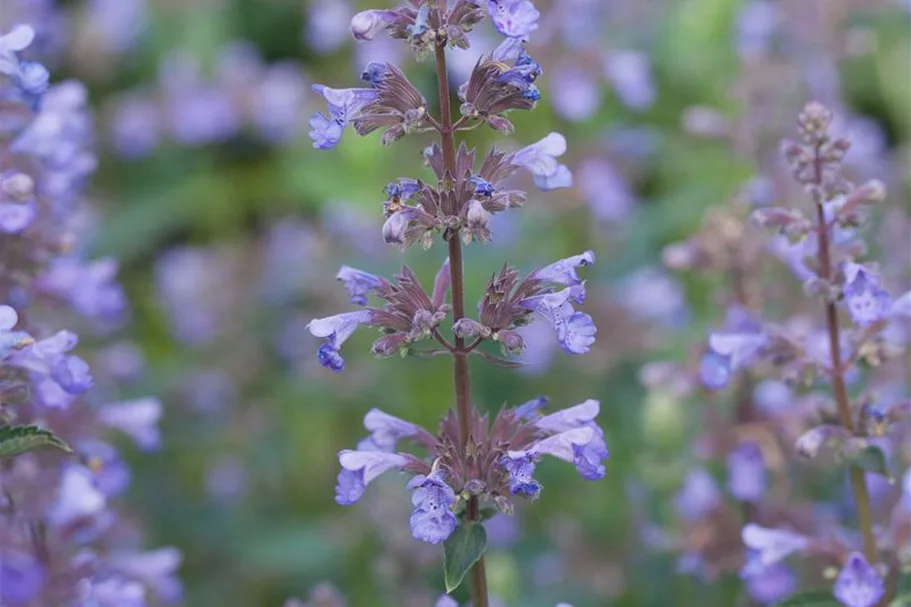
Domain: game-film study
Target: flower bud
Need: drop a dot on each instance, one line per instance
(477, 216)
(811, 442)
(475, 486)
(367, 24)
(388, 344)
(395, 227)
(500, 124)
(512, 341)
(504, 505)
(466, 327)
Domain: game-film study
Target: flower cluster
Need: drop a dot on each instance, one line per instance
(63, 542)
(471, 461)
(762, 365)
(499, 463)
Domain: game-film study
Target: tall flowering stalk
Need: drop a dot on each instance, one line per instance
(474, 466)
(61, 539)
(824, 250)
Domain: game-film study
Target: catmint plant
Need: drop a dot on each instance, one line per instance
(62, 542)
(474, 466)
(834, 358)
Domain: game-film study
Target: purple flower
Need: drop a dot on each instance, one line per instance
(89, 287)
(326, 25)
(21, 577)
(906, 490)
(698, 496)
(111, 592)
(575, 330)
(772, 545)
(156, 569)
(514, 18)
(770, 585)
(747, 472)
(135, 126)
(563, 273)
(343, 106)
(606, 191)
(358, 283)
(432, 519)
(589, 455)
(374, 72)
(858, 584)
(17, 202)
(385, 431)
(367, 24)
(540, 159)
(11, 340)
(521, 470)
(419, 26)
(32, 78)
(12, 42)
(630, 74)
(446, 601)
(579, 446)
(359, 468)
(137, 418)
(276, 105)
(72, 374)
(901, 306)
(866, 301)
(78, 497)
(530, 409)
(729, 352)
(336, 329)
(112, 475)
(575, 93)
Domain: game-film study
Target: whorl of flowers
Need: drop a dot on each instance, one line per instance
(471, 462)
(61, 539)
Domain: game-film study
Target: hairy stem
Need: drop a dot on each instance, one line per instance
(461, 376)
(858, 480)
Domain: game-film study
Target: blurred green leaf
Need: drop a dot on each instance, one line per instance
(873, 459)
(462, 550)
(15, 440)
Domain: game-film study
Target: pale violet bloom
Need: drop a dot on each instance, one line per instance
(385, 431)
(540, 159)
(111, 591)
(326, 25)
(446, 601)
(432, 519)
(530, 409)
(859, 584)
(336, 330)
(563, 273)
(906, 489)
(630, 75)
(359, 468)
(772, 545)
(513, 18)
(137, 418)
(728, 353)
(698, 496)
(574, 91)
(901, 306)
(156, 569)
(78, 497)
(14, 41)
(343, 106)
(746, 472)
(575, 330)
(583, 415)
(11, 340)
(608, 194)
(367, 24)
(358, 283)
(578, 446)
(865, 299)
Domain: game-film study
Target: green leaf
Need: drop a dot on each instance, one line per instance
(462, 550)
(812, 598)
(19, 439)
(872, 459)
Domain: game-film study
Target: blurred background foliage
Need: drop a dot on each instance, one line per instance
(244, 483)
